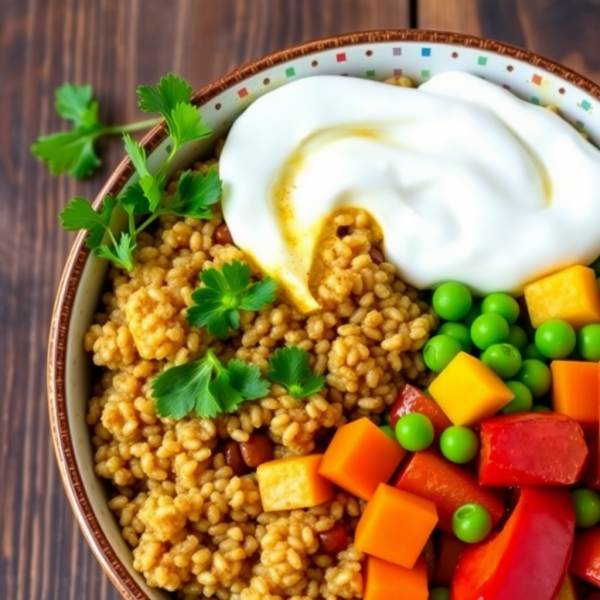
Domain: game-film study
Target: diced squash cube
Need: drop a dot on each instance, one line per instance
(468, 390)
(395, 526)
(294, 482)
(570, 295)
(386, 581)
(575, 391)
(360, 457)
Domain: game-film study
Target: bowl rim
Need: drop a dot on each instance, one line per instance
(78, 497)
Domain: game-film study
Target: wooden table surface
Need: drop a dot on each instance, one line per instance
(115, 45)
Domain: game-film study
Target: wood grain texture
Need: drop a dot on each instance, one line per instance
(114, 45)
(563, 30)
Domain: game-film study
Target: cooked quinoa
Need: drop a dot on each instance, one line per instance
(184, 504)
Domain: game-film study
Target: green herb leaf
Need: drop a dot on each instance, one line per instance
(217, 304)
(164, 98)
(79, 214)
(289, 367)
(186, 125)
(195, 194)
(121, 253)
(72, 102)
(134, 201)
(206, 387)
(69, 152)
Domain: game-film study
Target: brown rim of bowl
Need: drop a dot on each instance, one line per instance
(71, 276)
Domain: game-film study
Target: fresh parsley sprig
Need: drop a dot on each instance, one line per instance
(224, 293)
(289, 367)
(145, 200)
(73, 151)
(206, 387)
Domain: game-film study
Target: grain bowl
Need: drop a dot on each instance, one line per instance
(186, 483)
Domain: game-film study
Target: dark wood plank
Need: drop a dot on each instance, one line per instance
(563, 31)
(114, 45)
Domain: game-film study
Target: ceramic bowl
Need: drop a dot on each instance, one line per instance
(374, 54)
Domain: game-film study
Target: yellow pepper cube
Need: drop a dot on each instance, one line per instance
(294, 482)
(469, 391)
(570, 295)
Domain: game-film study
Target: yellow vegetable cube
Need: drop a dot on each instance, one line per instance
(469, 391)
(567, 591)
(294, 482)
(570, 295)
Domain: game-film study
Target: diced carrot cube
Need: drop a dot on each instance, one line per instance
(449, 551)
(360, 457)
(447, 485)
(570, 295)
(395, 526)
(575, 391)
(294, 482)
(468, 390)
(386, 581)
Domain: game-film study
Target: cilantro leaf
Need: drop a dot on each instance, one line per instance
(186, 124)
(121, 253)
(133, 199)
(163, 99)
(195, 193)
(79, 214)
(151, 185)
(259, 295)
(183, 388)
(206, 387)
(137, 154)
(69, 152)
(289, 367)
(72, 102)
(216, 305)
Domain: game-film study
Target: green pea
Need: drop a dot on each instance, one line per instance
(532, 352)
(459, 444)
(460, 332)
(388, 431)
(588, 342)
(489, 329)
(501, 304)
(452, 301)
(536, 376)
(587, 507)
(439, 351)
(555, 339)
(472, 523)
(540, 408)
(503, 359)
(472, 314)
(415, 432)
(439, 593)
(517, 337)
(523, 398)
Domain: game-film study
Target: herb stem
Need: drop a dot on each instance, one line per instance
(118, 129)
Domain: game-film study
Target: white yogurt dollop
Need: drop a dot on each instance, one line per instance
(467, 182)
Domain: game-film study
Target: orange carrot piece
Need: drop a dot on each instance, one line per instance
(386, 581)
(412, 400)
(360, 457)
(395, 526)
(575, 391)
(447, 485)
(449, 550)
(294, 482)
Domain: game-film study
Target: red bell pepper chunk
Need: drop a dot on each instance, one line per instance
(541, 448)
(585, 562)
(412, 400)
(527, 560)
(448, 486)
